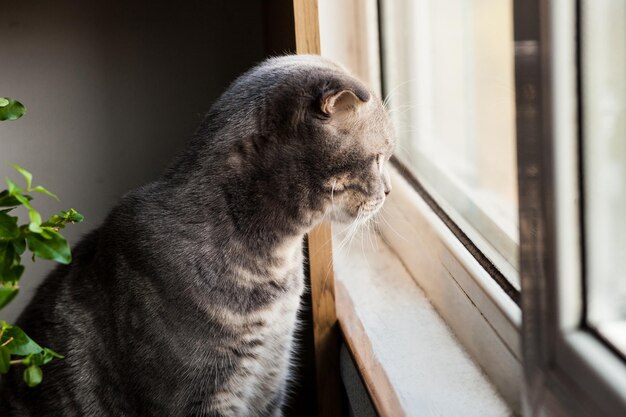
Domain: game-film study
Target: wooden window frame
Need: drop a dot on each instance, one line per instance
(320, 256)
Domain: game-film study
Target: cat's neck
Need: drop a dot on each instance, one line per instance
(268, 224)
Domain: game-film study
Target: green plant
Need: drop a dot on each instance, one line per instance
(11, 109)
(43, 240)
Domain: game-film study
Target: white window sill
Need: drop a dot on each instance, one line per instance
(409, 359)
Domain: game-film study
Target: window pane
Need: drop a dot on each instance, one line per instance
(449, 81)
(604, 161)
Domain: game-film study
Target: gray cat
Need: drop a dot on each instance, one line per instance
(184, 302)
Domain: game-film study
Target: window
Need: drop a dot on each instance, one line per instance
(510, 110)
(569, 106)
(448, 82)
(511, 120)
(448, 77)
(603, 77)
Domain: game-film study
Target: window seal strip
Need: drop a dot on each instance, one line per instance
(480, 257)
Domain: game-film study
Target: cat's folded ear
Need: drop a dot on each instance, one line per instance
(345, 96)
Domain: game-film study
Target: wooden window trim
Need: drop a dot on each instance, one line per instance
(322, 280)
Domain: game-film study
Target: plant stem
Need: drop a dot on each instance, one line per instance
(9, 340)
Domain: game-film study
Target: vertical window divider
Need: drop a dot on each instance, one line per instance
(567, 370)
(325, 326)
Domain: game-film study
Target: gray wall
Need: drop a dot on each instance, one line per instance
(113, 90)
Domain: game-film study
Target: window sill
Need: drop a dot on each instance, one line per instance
(485, 320)
(410, 361)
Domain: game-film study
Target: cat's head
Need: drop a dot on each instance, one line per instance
(316, 135)
(355, 140)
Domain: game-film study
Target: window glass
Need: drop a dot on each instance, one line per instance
(449, 85)
(604, 164)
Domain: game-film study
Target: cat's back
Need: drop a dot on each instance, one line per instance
(78, 311)
(62, 315)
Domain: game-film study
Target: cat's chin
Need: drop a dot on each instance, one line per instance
(343, 217)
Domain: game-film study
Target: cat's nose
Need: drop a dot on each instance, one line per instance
(386, 183)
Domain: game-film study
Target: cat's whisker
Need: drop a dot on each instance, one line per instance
(382, 217)
(347, 240)
(336, 250)
(354, 231)
(372, 225)
(395, 89)
(350, 229)
(402, 109)
(402, 148)
(363, 253)
(368, 230)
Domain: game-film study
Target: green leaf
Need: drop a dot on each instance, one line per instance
(35, 221)
(33, 359)
(56, 220)
(54, 248)
(42, 190)
(33, 375)
(19, 245)
(49, 354)
(28, 177)
(11, 110)
(5, 359)
(10, 275)
(21, 345)
(60, 219)
(7, 294)
(24, 200)
(8, 200)
(74, 216)
(10, 268)
(8, 227)
(28, 359)
(13, 189)
(7, 255)
(41, 358)
(16, 273)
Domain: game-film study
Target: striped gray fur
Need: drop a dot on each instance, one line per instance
(184, 301)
